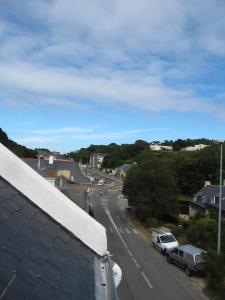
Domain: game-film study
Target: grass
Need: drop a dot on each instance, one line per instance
(137, 224)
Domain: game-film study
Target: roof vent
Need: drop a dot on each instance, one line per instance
(51, 159)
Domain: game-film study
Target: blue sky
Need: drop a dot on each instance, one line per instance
(75, 73)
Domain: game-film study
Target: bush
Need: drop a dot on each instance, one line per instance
(152, 222)
(202, 233)
(172, 227)
(216, 273)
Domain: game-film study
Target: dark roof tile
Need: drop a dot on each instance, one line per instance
(4, 213)
(50, 262)
(20, 289)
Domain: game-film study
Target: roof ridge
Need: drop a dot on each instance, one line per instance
(52, 201)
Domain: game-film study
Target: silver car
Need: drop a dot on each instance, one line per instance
(188, 257)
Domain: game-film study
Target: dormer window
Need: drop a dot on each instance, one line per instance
(217, 199)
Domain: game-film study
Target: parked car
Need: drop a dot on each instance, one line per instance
(188, 257)
(163, 239)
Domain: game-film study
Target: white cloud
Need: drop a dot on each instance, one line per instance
(117, 53)
(37, 140)
(117, 134)
(142, 90)
(62, 130)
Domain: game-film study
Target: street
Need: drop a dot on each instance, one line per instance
(146, 273)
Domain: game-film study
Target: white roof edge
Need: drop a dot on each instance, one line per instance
(52, 201)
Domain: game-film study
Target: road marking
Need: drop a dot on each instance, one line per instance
(135, 231)
(117, 231)
(146, 280)
(121, 230)
(127, 230)
(128, 250)
(110, 228)
(136, 263)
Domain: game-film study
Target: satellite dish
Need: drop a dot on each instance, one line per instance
(117, 274)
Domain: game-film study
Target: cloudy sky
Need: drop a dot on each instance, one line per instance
(81, 72)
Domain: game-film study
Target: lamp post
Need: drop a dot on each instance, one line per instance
(220, 199)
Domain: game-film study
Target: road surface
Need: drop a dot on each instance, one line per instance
(146, 273)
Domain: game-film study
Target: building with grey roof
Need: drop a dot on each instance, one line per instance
(122, 171)
(96, 160)
(54, 168)
(50, 248)
(207, 199)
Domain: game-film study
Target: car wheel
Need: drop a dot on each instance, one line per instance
(163, 251)
(188, 271)
(169, 259)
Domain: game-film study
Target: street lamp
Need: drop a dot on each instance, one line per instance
(220, 199)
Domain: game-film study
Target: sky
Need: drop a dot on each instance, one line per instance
(81, 72)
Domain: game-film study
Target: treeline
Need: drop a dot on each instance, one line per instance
(155, 182)
(128, 153)
(19, 150)
(180, 144)
(116, 154)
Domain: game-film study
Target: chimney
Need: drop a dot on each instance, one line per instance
(39, 164)
(60, 183)
(207, 183)
(51, 159)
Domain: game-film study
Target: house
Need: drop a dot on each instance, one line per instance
(96, 160)
(50, 248)
(206, 200)
(155, 147)
(45, 154)
(66, 176)
(158, 147)
(51, 169)
(195, 147)
(122, 171)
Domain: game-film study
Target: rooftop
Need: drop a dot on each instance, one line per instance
(50, 248)
(43, 167)
(39, 258)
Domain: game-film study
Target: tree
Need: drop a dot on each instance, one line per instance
(151, 189)
(203, 233)
(19, 150)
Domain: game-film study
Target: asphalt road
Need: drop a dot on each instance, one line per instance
(146, 273)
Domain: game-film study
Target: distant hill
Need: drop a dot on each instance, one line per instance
(129, 153)
(19, 150)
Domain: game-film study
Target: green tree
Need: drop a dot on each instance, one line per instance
(151, 189)
(19, 150)
(203, 233)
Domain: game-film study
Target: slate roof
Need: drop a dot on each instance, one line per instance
(40, 259)
(77, 196)
(125, 167)
(206, 196)
(57, 165)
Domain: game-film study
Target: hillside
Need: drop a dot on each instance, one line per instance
(19, 150)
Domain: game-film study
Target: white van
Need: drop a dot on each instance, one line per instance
(163, 239)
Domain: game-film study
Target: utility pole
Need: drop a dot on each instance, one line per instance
(220, 199)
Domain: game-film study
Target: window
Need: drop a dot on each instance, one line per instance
(175, 250)
(181, 253)
(167, 238)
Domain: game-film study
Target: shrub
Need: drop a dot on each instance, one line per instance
(152, 222)
(216, 273)
(202, 233)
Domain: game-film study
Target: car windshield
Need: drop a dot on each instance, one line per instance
(167, 238)
(199, 259)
